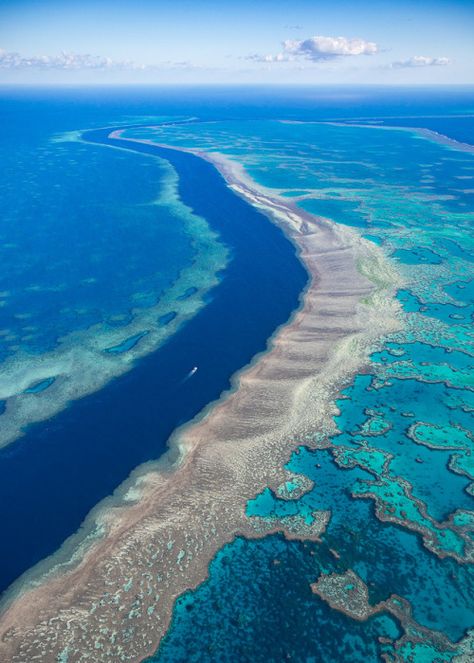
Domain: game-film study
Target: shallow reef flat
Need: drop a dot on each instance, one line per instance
(112, 597)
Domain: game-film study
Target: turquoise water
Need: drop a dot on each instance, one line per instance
(397, 478)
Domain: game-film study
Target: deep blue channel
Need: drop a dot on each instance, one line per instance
(54, 475)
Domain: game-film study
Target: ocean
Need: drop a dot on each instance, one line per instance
(96, 243)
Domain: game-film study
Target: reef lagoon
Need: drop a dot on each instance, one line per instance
(360, 547)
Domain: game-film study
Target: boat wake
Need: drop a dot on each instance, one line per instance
(189, 375)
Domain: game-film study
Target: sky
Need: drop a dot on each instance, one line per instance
(237, 42)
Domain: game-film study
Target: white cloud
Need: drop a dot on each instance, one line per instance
(279, 57)
(318, 49)
(64, 61)
(326, 48)
(420, 61)
(79, 61)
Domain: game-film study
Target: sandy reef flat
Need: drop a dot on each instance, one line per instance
(114, 599)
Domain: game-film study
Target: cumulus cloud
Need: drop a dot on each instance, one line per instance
(319, 49)
(327, 48)
(420, 61)
(64, 61)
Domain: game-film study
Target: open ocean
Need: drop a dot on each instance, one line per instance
(123, 271)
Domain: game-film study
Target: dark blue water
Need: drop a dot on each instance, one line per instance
(53, 476)
(81, 107)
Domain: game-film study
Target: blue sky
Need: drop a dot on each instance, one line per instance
(263, 41)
